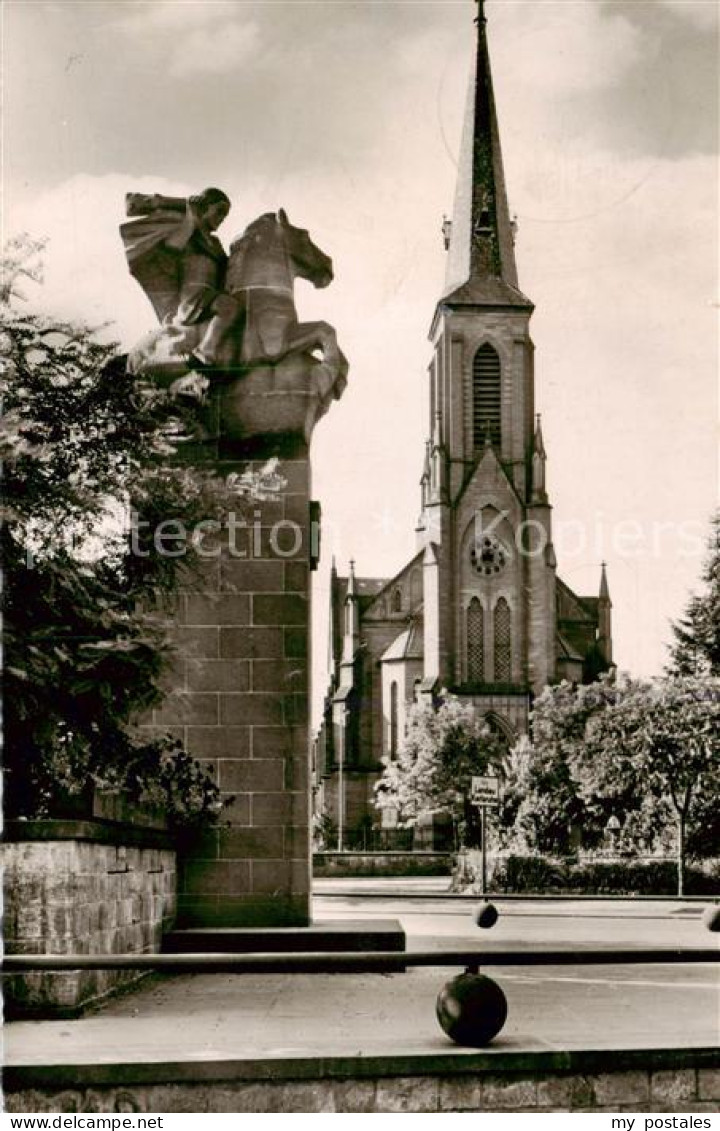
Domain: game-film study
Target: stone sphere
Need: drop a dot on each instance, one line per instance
(711, 917)
(486, 915)
(471, 1009)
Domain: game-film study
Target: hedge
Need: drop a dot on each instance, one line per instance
(541, 874)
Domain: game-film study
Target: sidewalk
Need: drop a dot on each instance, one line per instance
(195, 1018)
(439, 887)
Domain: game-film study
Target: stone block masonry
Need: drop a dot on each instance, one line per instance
(238, 698)
(637, 1080)
(73, 892)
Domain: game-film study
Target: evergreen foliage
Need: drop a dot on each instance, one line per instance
(695, 650)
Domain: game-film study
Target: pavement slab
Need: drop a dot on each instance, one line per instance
(210, 1017)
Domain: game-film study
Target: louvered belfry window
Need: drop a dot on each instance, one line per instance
(486, 397)
(475, 644)
(503, 643)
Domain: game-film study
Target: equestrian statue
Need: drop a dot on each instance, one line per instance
(228, 324)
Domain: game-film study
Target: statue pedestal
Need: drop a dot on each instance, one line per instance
(240, 692)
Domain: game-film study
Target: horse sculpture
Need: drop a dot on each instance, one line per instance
(263, 266)
(262, 343)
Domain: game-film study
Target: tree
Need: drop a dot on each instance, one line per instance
(441, 750)
(658, 738)
(22, 259)
(548, 802)
(567, 783)
(86, 635)
(696, 647)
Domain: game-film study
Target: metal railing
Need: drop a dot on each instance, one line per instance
(312, 962)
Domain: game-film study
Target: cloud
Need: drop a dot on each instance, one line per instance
(634, 79)
(557, 48)
(195, 38)
(701, 13)
(169, 15)
(86, 277)
(214, 50)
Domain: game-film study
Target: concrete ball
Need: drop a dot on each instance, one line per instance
(486, 915)
(471, 1009)
(711, 917)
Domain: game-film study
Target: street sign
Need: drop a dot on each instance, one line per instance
(484, 791)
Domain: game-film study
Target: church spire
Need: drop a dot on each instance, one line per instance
(604, 587)
(481, 255)
(605, 644)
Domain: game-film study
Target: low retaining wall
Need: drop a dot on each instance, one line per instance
(382, 864)
(655, 1080)
(82, 887)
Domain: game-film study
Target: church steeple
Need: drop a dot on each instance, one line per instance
(605, 618)
(481, 256)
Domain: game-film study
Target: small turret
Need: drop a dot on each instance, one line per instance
(538, 492)
(438, 463)
(351, 636)
(605, 618)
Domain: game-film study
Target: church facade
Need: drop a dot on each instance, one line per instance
(479, 611)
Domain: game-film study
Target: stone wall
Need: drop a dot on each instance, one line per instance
(655, 1080)
(82, 887)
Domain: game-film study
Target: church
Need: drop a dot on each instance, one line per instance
(480, 610)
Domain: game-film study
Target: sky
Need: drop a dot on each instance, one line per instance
(348, 115)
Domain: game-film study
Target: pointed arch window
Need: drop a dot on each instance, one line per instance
(475, 642)
(397, 601)
(503, 643)
(393, 719)
(486, 397)
(500, 729)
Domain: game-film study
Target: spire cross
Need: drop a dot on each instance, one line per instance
(481, 17)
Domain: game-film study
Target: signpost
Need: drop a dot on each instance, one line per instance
(484, 791)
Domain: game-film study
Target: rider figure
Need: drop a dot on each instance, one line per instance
(172, 250)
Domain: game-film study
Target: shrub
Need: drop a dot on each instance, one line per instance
(529, 873)
(550, 875)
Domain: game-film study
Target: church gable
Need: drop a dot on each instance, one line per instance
(398, 597)
(579, 654)
(488, 484)
(571, 608)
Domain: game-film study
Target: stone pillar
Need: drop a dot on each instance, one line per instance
(240, 689)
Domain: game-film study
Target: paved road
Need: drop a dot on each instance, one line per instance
(216, 1016)
(431, 920)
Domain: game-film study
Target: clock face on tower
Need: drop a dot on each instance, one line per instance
(488, 556)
